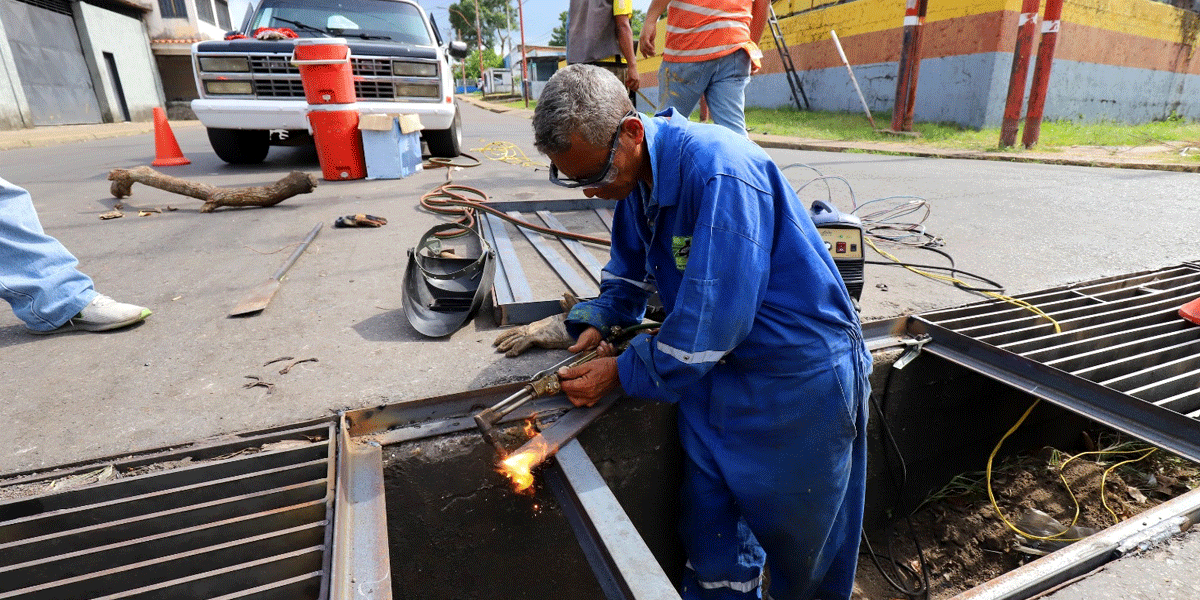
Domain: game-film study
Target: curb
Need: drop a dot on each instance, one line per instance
(39, 137)
(791, 143)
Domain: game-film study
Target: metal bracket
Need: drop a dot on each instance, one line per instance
(915, 344)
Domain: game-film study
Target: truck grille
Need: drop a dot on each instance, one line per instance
(275, 77)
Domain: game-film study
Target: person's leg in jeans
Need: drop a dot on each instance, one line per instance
(726, 91)
(39, 278)
(680, 85)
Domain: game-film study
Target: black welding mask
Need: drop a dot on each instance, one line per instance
(446, 280)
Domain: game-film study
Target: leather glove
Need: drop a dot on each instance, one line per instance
(550, 332)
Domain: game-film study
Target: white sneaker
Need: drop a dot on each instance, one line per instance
(102, 314)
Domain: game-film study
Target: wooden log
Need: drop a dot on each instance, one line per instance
(214, 197)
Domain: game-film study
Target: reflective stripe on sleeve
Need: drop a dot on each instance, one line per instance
(691, 358)
(607, 276)
(744, 587)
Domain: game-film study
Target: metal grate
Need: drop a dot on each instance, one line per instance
(242, 519)
(1122, 342)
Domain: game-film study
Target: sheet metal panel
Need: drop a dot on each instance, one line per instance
(51, 65)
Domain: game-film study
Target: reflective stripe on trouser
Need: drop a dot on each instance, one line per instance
(722, 80)
(776, 470)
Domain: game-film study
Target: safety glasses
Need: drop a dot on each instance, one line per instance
(601, 178)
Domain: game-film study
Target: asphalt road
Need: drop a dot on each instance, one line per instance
(179, 377)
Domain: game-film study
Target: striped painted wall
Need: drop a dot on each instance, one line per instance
(1123, 60)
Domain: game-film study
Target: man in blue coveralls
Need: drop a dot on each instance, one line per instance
(761, 347)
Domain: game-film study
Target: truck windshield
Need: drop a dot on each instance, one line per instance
(364, 19)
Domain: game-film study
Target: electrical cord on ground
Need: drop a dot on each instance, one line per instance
(959, 283)
(920, 589)
(1058, 536)
(510, 153)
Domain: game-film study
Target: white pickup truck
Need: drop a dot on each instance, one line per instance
(251, 96)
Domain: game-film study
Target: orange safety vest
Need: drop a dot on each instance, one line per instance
(699, 30)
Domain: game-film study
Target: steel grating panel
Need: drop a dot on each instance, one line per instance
(1123, 356)
(246, 518)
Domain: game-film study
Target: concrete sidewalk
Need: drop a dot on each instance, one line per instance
(51, 135)
(1160, 157)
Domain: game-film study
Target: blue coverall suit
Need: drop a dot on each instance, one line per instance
(762, 350)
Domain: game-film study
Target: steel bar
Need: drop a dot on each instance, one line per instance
(1122, 299)
(581, 254)
(301, 586)
(1121, 333)
(1164, 428)
(300, 498)
(229, 580)
(1085, 555)
(606, 217)
(177, 566)
(1092, 329)
(623, 564)
(562, 431)
(518, 287)
(173, 478)
(199, 451)
(1184, 361)
(149, 548)
(568, 275)
(1115, 360)
(174, 498)
(360, 546)
(1094, 290)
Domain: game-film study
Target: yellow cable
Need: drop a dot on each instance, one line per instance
(955, 280)
(510, 153)
(1061, 469)
(1103, 498)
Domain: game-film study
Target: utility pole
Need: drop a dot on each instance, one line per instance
(524, 74)
(1020, 68)
(479, 43)
(1041, 73)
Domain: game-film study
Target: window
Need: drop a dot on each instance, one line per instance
(173, 9)
(204, 11)
(223, 15)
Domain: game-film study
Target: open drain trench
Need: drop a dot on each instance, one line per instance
(302, 511)
(1124, 357)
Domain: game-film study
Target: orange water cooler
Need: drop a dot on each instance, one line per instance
(328, 81)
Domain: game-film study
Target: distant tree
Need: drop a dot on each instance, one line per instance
(558, 37)
(490, 60)
(492, 19)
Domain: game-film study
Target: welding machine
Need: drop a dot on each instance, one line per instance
(843, 237)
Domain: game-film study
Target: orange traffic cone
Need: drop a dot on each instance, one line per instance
(166, 149)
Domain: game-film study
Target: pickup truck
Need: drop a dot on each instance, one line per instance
(251, 96)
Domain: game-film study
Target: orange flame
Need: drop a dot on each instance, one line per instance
(518, 466)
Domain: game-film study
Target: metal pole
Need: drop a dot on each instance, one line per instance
(524, 73)
(1041, 73)
(914, 64)
(842, 54)
(900, 105)
(1020, 68)
(479, 43)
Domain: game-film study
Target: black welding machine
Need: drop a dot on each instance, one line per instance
(843, 237)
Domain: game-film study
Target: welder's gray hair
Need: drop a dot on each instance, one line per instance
(582, 98)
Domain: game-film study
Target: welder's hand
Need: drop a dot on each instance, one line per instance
(587, 383)
(550, 332)
(589, 339)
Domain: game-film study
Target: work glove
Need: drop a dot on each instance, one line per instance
(550, 332)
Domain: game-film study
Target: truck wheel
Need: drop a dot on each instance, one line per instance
(446, 143)
(240, 146)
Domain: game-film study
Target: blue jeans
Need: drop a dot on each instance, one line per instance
(722, 80)
(37, 274)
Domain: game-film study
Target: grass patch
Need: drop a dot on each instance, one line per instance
(853, 127)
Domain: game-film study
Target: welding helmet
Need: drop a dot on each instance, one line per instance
(444, 283)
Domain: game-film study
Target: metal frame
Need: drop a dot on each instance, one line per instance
(512, 299)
